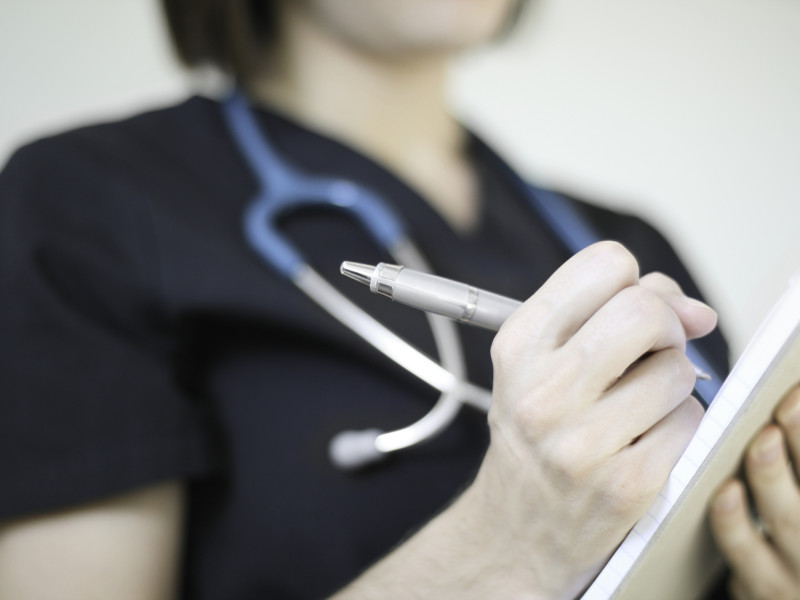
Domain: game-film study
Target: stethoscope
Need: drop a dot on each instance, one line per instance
(284, 188)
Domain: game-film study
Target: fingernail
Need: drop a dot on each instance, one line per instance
(694, 302)
(768, 447)
(697, 305)
(727, 499)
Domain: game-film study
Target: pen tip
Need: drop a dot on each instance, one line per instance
(702, 375)
(357, 271)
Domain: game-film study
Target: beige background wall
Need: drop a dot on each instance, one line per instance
(687, 112)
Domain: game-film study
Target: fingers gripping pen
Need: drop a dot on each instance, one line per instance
(458, 301)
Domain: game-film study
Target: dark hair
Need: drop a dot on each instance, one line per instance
(228, 34)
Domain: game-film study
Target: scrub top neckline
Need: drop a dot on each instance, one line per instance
(279, 125)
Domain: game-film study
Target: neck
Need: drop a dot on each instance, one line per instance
(390, 108)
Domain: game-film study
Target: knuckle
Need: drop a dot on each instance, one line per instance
(536, 415)
(682, 373)
(653, 314)
(510, 346)
(786, 522)
(660, 282)
(643, 303)
(633, 490)
(618, 258)
(540, 410)
(571, 458)
(497, 349)
(504, 348)
(545, 403)
(696, 411)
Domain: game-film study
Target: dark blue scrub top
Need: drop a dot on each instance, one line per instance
(141, 340)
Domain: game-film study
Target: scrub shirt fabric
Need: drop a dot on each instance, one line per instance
(142, 340)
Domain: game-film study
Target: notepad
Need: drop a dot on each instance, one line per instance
(669, 554)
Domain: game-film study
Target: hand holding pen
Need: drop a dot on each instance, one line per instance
(591, 409)
(455, 300)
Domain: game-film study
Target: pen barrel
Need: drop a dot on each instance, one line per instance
(452, 299)
(492, 310)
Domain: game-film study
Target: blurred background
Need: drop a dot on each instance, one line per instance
(685, 112)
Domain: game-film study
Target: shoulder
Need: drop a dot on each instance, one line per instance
(127, 131)
(106, 177)
(78, 203)
(111, 149)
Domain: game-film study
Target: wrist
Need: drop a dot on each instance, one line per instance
(462, 554)
(521, 547)
(479, 554)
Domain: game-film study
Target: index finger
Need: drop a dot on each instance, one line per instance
(575, 292)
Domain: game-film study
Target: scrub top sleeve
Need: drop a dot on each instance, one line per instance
(89, 405)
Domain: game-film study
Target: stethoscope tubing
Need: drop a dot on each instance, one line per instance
(284, 188)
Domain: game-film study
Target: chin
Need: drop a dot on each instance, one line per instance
(398, 27)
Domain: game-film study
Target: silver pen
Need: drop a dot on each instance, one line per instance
(453, 299)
